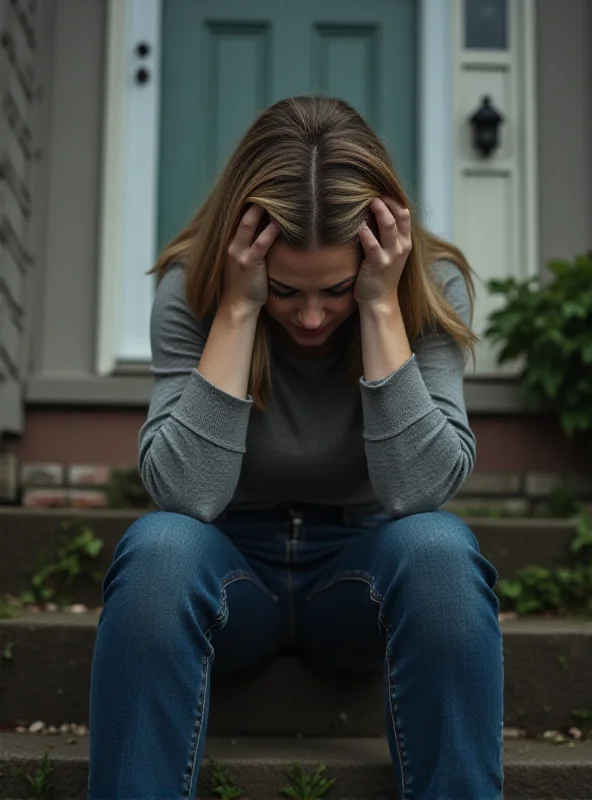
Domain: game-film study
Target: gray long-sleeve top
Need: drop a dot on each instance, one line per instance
(400, 444)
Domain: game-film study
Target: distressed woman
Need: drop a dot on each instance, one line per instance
(306, 426)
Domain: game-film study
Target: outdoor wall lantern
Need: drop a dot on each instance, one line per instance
(485, 122)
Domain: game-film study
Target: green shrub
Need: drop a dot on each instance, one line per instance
(563, 590)
(549, 328)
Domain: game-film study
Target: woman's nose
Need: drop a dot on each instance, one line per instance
(312, 314)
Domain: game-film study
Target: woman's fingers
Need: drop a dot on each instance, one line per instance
(387, 224)
(370, 244)
(243, 238)
(263, 242)
(242, 247)
(402, 216)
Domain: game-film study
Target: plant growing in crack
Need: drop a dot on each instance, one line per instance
(7, 653)
(40, 781)
(11, 607)
(221, 783)
(72, 559)
(305, 787)
(564, 590)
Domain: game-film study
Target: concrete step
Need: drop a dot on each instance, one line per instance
(532, 770)
(509, 544)
(546, 666)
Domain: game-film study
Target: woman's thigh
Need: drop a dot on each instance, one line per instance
(423, 567)
(168, 566)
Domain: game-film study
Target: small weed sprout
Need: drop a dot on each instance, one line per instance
(40, 781)
(304, 787)
(221, 783)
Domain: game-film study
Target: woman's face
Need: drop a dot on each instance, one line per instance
(311, 292)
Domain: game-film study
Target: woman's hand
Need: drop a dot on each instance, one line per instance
(245, 276)
(380, 272)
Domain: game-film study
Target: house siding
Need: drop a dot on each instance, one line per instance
(18, 99)
(564, 68)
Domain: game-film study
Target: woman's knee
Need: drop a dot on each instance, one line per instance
(436, 547)
(159, 550)
(432, 534)
(164, 564)
(438, 576)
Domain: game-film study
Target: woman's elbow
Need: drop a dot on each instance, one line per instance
(167, 496)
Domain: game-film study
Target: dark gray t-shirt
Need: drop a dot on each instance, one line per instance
(401, 444)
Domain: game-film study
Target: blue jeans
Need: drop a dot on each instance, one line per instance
(413, 597)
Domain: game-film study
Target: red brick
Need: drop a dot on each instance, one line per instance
(88, 475)
(87, 498)
(45, 498)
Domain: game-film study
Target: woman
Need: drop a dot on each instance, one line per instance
(306, 425)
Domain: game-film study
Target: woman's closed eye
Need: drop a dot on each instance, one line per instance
(287, 295)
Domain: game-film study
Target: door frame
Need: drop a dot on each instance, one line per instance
(130, 167)
(507, 74)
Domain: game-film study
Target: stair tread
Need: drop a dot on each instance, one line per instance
(528, 625)
(363, 750)
(362, 766)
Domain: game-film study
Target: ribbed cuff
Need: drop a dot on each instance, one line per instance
(214, 414)
(393, 404)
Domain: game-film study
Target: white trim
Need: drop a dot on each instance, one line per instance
(516, 160)
(530, 124)
(130, 184)
(111, 236)
(141, 181)
(435, 118)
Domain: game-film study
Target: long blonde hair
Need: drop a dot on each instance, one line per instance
(315, 166)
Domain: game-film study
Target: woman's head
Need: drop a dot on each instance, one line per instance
(313, 165)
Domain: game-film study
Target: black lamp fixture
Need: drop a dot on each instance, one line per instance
(485, 122)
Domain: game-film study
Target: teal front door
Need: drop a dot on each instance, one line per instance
(224, 61)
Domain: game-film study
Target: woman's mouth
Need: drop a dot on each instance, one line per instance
(311, 334)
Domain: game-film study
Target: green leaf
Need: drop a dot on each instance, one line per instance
(511, 589)
(558, 267)
(551, 381)
(586, 352)
(572, 308)
(583, 537)
(304, 787)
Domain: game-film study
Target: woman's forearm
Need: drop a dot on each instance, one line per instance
(227, 354)
(385, 346)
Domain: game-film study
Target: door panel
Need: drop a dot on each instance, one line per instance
(225, 61)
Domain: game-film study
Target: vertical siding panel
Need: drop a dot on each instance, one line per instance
(17, 81)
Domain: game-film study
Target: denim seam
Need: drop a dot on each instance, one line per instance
(219, 621)
(197, 726)
(376, 597)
